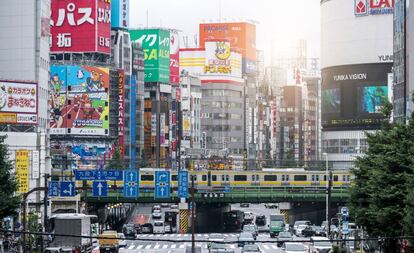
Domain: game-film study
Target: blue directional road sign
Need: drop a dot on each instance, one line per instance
(84, 175)
(130, 184)
(100, 188)
(162, 184)
(113, 175)
(116, 175)
(183, 184)
(53, 189)
(67, 188)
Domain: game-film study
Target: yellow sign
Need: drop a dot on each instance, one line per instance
(8, 118)
(22, 170)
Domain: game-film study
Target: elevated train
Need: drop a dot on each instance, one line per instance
(229, 178)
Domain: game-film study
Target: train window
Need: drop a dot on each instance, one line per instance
(193, 176)
(343, 178)
(299, 178)
(324, 178)
(227, 178)
(240, 178)
(313, 178)
(204, 178)
(317, 178)
(270, 178)
(214, 178)
(283, 178)
(287, 177)
(147, 177)
(335, 178)
(174, 178)
(348, 178)
(222, 178)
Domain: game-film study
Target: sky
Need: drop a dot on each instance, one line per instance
(279, 22)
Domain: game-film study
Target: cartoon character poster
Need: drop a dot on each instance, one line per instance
(79, 102)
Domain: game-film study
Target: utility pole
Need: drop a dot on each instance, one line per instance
(192, 216)
(45, 192)
(158, 124)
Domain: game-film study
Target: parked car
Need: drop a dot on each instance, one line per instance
(245, 238)
(283, 237)
(122, 243)
(308, 231)
(219, 248)
(147, 228)
(244, 204)
(321, 245)
(271, 205)
(294, 247)
(251, 248)
(251, 229)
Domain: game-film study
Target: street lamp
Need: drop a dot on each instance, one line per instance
(327, 193)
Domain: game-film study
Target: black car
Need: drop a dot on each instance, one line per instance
(129, 230)
(147, 228)
(308, 231)
(260, 220)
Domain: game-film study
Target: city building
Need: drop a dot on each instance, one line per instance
(356, 61)
(403, 63)
(24, 76)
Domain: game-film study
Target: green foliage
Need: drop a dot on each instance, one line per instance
(9, 202)
(383, 184)
(117, 162)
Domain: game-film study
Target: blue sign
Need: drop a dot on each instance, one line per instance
(67, 188)
(100, 188)
(53, 189)
(131, 184)
(183, 184)
(99, 175)
(120, 14)
(226, 188)
(162, 184)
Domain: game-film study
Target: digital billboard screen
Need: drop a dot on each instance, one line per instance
(353, 96)
(79, 100)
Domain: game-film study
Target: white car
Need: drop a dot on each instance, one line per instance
(159, 227)
(156, 214)
(321, 244)
(299, 230)
(122, 243)
(248, 217)
(294, 247)
(174, 207)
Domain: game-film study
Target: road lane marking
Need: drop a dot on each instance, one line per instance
(232, 246)
(131, 247)
(165, 235)
(274, 246)
(140, 246)
(165, 246)
(148, 246)
(157, 246)
(179, 235)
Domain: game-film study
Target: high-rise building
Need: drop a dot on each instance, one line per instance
(403, 63)
(356, 60)
(24, 76)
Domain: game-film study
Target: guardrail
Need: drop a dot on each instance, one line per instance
(232, 195)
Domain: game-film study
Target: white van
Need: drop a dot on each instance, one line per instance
(159, 227)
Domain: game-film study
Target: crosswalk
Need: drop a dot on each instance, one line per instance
(165, 246)
(182, 236)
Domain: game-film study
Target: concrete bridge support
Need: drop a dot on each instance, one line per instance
(315, 212)
(209, 217)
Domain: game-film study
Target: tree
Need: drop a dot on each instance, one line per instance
(117, 162)
(9, 201)
(383, 179)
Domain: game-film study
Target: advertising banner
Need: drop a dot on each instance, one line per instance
(121, 110)
(162, 129)
(241, 35)
(18, 103)
(174, 58)
(156, 46)
(120, 14)
(88, 155)
(22, 171)
(133, 122)
(35, 165)
(221, 61)
(153, 129)
(373, 7)
(80, 26)
(79, 100)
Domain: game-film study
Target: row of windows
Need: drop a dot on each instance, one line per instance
(223, 105)
(241, 178)
(221, 128)
(221, 93)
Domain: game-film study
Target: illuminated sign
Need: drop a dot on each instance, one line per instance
(121, 110)
(373, 7)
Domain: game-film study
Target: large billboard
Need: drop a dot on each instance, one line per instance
(156, 46)
(174, 58)
(18, 102)
(80, 26)
(22, 171)
(353, 96)
(79, 100)
(120, 14)
(241, 35)
(373, 7)
(121, 110)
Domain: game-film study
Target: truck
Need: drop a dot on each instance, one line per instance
(170, 221)
(108, 242)
(277, 224)
(72, 224)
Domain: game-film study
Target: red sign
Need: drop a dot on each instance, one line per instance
(80, 26)
(174, 58)
(121, 110)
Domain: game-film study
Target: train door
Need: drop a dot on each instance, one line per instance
(255, 180)
(285, 180)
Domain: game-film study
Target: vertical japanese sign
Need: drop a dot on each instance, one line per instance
(156, 46)
(22, 170)
(162, 129)
(174, 58)
(153, 129)
(119, 13)
(80, 26)
(132, 121)
(35, 165)
(121, 110)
